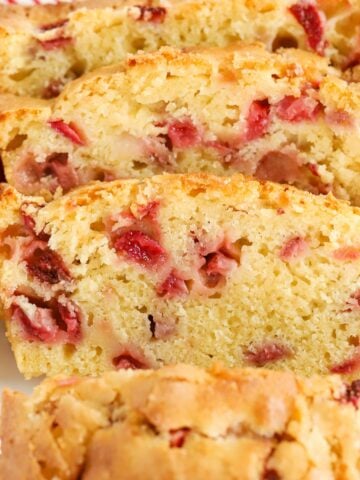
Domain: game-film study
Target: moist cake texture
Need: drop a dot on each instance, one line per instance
(182, 422)
(43, 48)
(196, 269)
(284, 117)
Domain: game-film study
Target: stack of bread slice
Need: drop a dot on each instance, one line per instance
(192, 198)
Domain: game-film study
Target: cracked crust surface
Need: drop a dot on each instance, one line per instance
(182, 422)
(31, 67)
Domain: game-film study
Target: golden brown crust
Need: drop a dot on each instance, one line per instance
(182, 422)
(30, 69)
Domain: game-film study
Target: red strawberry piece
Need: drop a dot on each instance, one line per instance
(140, 248)
(42, 327)
(279, 167)
(70, 319)
(260, 355)
(313, 22)
(55, 43)
(258, 120)
(354, 302)
(53, 26)
(271, 475)
(127, 361)
(347, 254)
(151, 14)
(348, 366)
(29, 222)
(294, 248)
(68, 130)
(340, 118)
(173, 286)
(178, 437)
(219, 264)
(45, 264)
(150, 210)
(352, 394)
(183, 134)
(293, 109)
(50, 322)
(53, 89)
(58, 165)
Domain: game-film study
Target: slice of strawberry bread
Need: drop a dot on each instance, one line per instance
(139, 274)
(183, 422)
(42, 48)
(285, 117)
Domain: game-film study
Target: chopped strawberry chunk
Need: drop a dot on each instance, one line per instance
(183, 134)
(348, 253)
(271, 475)
(354, 302)
(29, 222)
(58, 165)
(55, 43)
(294, 248)
(340, 118)
(68, 130)
(260, 355)
(126, 361)
(293, 109)
(49, 322)
(151, 14)
(140, 248)
(352, 394)
(173, 286)
(53, 89)
(149, 210)
(178, 437)
(70, 317)
(347, 367)
(45, 264)
(313, 22)
(279, 167)
(219, 264)
(258, 120)
(53, 26)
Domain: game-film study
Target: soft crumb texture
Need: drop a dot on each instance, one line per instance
(285, 117)
(183, 423)
(42, 48)
(139, 274)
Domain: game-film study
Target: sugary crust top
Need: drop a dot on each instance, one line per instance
(182, 422)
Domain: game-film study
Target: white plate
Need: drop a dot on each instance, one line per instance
(9, 374)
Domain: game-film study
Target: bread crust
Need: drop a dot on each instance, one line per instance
(180, 422)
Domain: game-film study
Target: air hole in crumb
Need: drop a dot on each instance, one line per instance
(78, 68)
(284, 40)
(16, 142)
(138, 44)
(343, 327)
(194, 192)
(98, 351)
(98, 226)
(152, 325)
(142, 309)
(138, 166)
(90, 320)
(21, 75)
(269, 328)
(327, 357)
(69, 350)
(354, 340)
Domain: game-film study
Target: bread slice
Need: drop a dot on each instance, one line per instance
(180, 269)
(183, 422)
(285, 117)
(42, 48)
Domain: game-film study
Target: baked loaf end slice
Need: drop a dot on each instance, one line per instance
(285, 117)
(183, 422)
(139, 274)
(42, 48)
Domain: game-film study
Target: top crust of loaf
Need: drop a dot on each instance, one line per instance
(182, 422)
